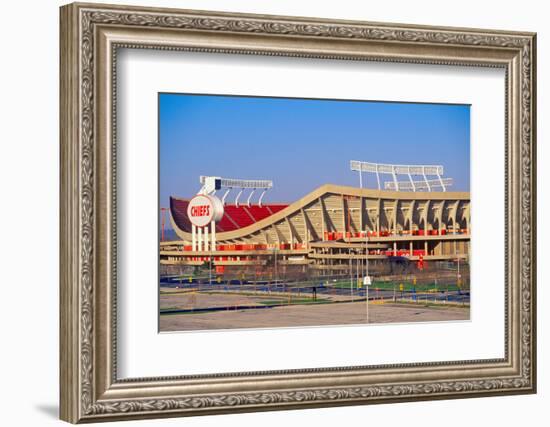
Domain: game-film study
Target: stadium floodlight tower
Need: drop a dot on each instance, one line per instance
(211, 184)
(409, 170)
(429, 185)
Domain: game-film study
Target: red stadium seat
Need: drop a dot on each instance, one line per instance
(234, 217)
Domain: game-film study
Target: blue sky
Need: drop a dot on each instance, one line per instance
(302, 144)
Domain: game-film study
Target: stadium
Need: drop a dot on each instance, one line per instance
(327, 229)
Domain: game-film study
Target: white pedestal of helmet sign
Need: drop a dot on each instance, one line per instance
(204, 210)
(200, 240)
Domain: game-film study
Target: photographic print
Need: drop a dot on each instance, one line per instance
(307, 185)
(288, 212)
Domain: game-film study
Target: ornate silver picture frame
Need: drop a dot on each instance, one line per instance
(91, 36)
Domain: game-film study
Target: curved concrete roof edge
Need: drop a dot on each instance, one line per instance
(333, 189)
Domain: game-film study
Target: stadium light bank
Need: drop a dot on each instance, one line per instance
(409, 170)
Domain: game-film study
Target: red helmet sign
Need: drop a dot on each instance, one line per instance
(203, 209)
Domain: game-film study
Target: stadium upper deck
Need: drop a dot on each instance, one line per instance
(235, 216)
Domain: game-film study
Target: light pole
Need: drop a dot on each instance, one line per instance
(275, 262)
(209, 261)
(210, 270)
(367, 279)
(357, 259)
(350, 275)
(367, 252)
